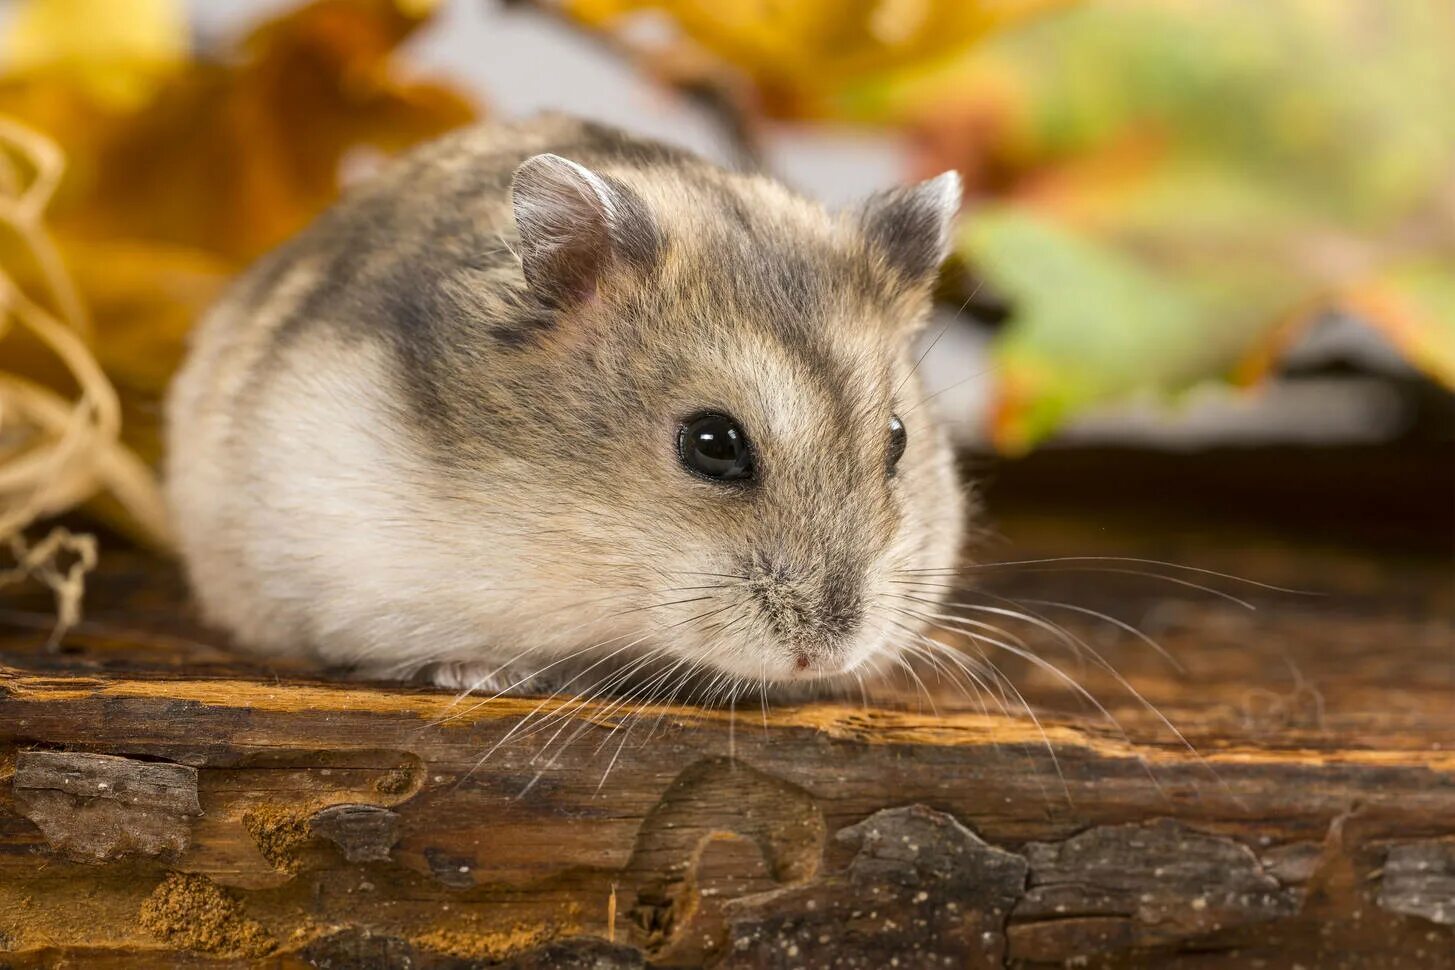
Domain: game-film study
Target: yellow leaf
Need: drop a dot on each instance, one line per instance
(117, 51)
(1413, 305)
(801, 53)
(239, 153)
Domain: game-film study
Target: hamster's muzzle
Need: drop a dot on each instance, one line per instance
(816, 612)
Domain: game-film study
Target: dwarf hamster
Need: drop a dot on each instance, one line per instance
(544, 395)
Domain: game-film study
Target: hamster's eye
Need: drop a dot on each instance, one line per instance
(898, 438)
(714, 446)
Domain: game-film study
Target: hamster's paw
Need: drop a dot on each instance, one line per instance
(478, 679)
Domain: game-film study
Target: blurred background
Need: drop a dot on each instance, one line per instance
(1205, 272)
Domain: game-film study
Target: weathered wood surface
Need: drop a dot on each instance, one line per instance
(1308, 820)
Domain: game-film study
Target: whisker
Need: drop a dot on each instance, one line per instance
(1003, 682)
(1037, 661)
(1030, 712)
(519, 724)
(763, 693)
(657, 722)
(980, 685)
(645, 691)
(1123, 572)
(633, 718)
(1119, 624)
(1055, 629)
(555, 663)
(1088, 696)
(581, 700)
(1054, 560)
(1211, 591)
(923, 689)
(657, 606)
(581, 728)
(945, 390)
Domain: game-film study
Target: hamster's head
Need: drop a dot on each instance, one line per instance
(725, 434)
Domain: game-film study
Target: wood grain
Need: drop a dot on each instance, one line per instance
(1303, 813)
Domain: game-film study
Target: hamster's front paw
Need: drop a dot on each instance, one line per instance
(478, 679)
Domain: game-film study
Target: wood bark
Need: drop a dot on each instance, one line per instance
(164, 804)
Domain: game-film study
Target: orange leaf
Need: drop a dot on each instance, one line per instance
(163, 199)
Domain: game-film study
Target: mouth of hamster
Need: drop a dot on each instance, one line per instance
(803, 668)
(800, 667)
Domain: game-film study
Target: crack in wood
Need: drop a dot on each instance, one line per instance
(709, 803)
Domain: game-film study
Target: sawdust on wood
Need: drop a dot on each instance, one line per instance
(279, 832)
(396, 781)
(495, 944)
(191, 912)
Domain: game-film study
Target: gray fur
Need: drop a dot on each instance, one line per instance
(477, 394)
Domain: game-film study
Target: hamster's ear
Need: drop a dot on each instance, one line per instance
(572, 224)
(910, 226)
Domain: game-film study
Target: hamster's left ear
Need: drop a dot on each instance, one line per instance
(574, 225)
(911, 226)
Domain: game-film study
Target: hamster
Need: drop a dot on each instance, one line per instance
(542, 397)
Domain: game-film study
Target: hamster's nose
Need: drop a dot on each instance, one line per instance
(817, 611)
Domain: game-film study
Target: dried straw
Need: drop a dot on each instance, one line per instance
(56, 453)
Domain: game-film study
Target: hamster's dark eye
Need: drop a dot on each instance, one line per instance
(714, 446)
(898, 438)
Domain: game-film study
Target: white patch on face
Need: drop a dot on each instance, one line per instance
(775, 391)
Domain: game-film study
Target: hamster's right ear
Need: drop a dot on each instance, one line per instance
(911, 226)
(573, 224)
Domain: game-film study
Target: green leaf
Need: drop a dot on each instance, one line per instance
(1169, 191)
(1091, 323)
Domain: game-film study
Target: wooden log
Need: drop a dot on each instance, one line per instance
(164, 804)
(942, 839)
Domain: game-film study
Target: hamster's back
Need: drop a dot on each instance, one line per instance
(288, 428)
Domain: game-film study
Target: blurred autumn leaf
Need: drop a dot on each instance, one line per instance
(1172, 191)
(115, 52)
(800, 55)
(1165, 191)
(1414, 303)
(183, 166)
